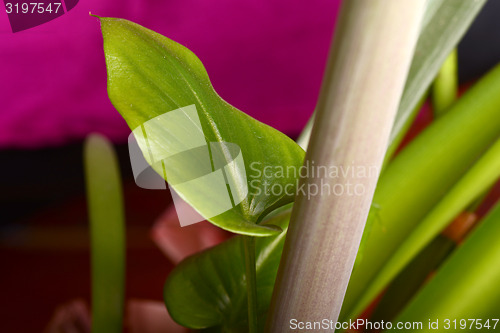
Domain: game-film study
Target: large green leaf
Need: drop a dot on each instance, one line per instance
(208, 289)
(149, 76)
(466, 287)
(107, 231)
(421, 175)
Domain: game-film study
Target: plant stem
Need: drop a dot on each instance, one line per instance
(467, 283)
(251, 278)
(366, 72)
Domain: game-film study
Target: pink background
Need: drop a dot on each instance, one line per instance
(265, 57)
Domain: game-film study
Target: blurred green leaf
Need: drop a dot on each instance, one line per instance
(478, 179)
(209, 288)
(421, 175)
(411, 279)
(107, 231)
(445, 86)
(150, 75)
(467, 285)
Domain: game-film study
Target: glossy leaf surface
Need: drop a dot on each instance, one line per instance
(209, 289)
(149, 76)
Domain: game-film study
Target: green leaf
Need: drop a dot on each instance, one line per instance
(209, 288)
(421, 175)
(467, 284)
(107, 231)
(149, 76)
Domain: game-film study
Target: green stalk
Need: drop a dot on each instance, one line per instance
(251, 279)
(472, 185)
(410, 280)
(353, 122)
(466, 287)
(107, 231)
(445, 86)
(416, 273)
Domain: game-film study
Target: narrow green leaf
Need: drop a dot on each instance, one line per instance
(150, 75)
(421, 175)
(477, 180)
(107, 231)
(209, 288)
(467, 284)
(411, 279)
(445, 86)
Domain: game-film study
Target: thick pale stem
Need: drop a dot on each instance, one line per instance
(369, 61)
